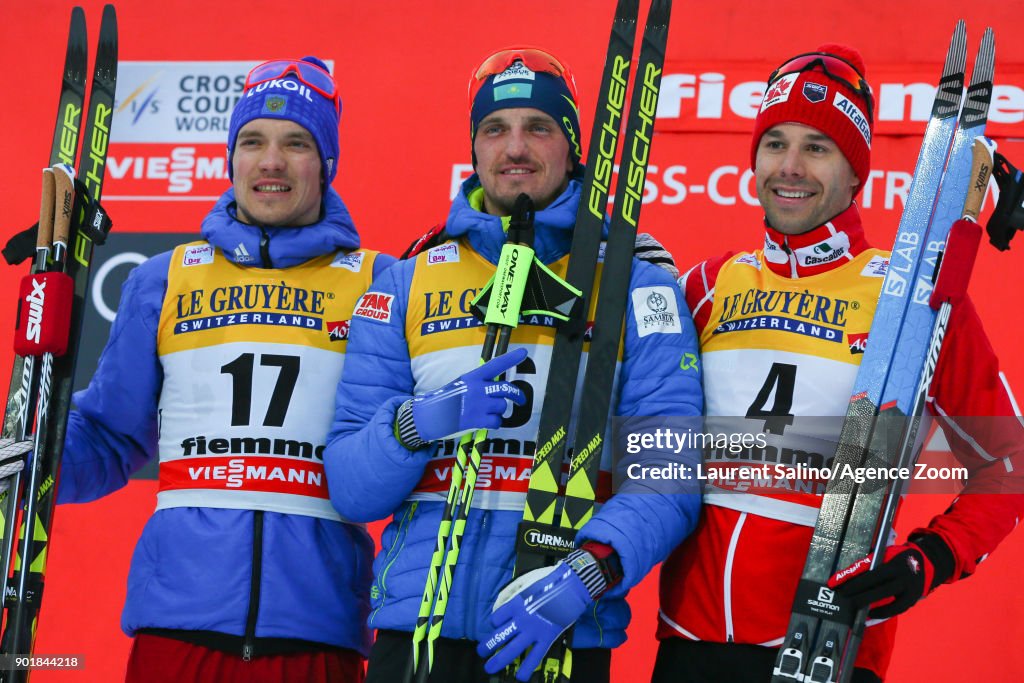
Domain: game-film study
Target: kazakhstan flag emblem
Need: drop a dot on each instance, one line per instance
(510, 91)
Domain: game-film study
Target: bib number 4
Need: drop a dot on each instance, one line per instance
(778, 388)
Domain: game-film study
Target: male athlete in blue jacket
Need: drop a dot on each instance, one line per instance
(221, 362)
(412, 333)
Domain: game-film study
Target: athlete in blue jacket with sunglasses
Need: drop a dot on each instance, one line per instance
(390, 451)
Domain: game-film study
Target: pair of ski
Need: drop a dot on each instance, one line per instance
(544, 502)
(40, 391)
(890, 391)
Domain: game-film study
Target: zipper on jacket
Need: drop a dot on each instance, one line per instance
(474, 571)
(249, 645)
(794, 272)
(265, 248)
(394, 551)
(727, 583)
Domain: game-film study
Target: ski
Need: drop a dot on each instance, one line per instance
(603, 355)
(881, 425)
(24, 378)
(39, 497)
(62, 150)
(613, 294)
(542, 495)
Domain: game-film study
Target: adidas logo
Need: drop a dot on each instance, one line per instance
(242, 254)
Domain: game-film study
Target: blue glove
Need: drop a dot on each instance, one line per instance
(535, 609)
(473, 401)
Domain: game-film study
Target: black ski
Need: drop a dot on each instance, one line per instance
(613, 294)
(539, 541)
(24, 375)
(543, 493)
(41, 488)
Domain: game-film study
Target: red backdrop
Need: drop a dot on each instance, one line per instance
(402, 68)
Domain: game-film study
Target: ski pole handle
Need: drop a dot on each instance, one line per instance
(46, 209)
(981, 171)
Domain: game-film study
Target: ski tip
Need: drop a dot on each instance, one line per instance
(957, 56)
(661, 12)
(985, 64)
(988, 41)
(109, 20)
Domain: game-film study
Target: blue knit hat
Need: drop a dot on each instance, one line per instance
(517, 87)
(290, 99)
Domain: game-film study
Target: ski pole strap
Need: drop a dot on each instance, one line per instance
(91, 217)
(21, 246)
(1008, 216)
(957, 263)
(44, 314)
(93, 220)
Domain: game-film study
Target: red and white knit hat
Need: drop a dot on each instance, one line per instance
(826, 90)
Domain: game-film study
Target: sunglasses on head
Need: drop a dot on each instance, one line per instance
(532, 58)
(318, 79)
(835, 67)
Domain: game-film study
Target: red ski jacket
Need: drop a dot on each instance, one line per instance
(785, 326)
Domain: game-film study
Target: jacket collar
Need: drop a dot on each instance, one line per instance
(486, 233)
(816, 251)
(247, 245)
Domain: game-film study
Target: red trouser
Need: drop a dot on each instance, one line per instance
(155, 659)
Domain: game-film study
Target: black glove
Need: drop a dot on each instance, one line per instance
(908, 573)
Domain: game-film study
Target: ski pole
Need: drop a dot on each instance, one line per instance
(20, 631)
(44, 240)
(22, 391)
(502, 317)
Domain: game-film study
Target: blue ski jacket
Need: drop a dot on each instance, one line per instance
(371, 476)
(196, 568)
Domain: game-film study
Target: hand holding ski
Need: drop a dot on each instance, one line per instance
(531, 613)
(907, 573)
